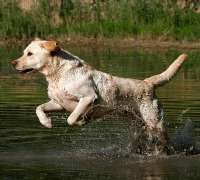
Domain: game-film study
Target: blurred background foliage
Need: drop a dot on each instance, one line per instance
(148, 19)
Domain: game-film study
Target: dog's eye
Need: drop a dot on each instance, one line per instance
(29, 54)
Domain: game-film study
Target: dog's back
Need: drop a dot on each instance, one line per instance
(83, 91)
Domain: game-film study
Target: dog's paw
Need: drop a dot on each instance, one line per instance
(81, 123)
(77, 123)
(47, 123)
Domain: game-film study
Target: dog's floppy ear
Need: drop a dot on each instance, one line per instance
(51, 46)
(37, 39)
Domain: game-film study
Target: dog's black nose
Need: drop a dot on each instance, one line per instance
(14, 63)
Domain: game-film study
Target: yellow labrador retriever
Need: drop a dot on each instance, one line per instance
(86, 93)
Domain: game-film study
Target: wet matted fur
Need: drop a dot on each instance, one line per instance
(86, 93)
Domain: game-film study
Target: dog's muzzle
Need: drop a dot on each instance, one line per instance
(14, 63)
(22, 72)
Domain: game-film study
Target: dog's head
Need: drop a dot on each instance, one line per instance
(36, 56)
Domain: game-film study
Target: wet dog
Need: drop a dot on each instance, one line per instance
(86, 93)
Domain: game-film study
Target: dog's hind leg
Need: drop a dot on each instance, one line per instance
(153, 116)
(47, 107)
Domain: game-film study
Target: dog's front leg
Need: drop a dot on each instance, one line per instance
(83, 107)
(47, 107)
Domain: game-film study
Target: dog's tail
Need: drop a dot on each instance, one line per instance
(166, 76)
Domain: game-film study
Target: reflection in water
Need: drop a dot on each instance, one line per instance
(61, 164)
(100, 150)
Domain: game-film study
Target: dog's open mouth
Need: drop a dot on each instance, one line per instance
(26, 71)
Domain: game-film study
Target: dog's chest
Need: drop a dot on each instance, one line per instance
(67, 100)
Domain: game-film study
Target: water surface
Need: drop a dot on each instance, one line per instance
(99, 150)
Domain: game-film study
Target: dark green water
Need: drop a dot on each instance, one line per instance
(99, 150)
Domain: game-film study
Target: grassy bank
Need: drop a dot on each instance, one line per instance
(145, 19)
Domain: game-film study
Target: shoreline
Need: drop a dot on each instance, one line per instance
(113, 43)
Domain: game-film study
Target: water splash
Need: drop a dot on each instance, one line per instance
(183, 138)
(128, 141)
(184, 141)
(181, 115)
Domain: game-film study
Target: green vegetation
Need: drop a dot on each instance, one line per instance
(145, 19)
